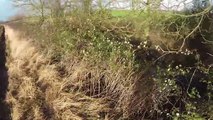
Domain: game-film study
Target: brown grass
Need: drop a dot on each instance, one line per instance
(36, 88)
(73, 89)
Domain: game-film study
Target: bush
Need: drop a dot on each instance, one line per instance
(139, 77)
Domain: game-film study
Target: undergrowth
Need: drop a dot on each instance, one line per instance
(103, 67)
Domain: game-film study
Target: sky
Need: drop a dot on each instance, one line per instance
(6, 10)
(165, 4)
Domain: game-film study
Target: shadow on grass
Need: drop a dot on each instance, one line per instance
(4, 107)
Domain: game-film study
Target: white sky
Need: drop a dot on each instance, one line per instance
(176, 4)
(166, 4)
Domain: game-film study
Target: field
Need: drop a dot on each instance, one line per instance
(121, 13)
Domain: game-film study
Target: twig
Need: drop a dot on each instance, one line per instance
(194, 30)
(191, 80)
(210, 54)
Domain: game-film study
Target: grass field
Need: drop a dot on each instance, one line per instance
(125, 13)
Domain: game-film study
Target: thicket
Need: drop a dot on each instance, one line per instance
(155, 64)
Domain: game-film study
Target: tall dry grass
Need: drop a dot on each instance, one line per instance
(73, 89)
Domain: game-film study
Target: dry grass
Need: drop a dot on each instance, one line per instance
(74, 89)
(36, 88)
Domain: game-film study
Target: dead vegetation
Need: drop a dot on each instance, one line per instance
(73, 89)
(37, 91)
